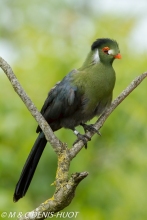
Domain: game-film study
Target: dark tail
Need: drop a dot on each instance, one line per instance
(29, 167)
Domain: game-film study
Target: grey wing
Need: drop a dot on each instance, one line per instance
(62, 101)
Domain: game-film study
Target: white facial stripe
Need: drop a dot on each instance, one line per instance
(76, 132)
(96, 57)
(111, 52)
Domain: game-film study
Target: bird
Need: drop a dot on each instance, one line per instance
(81, 95)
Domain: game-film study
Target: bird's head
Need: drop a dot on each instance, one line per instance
(105, 50)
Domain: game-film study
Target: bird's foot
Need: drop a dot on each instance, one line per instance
(90, 128)
(82, 137)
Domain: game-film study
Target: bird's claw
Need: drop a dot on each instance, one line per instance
(90, 128)
(84, 138)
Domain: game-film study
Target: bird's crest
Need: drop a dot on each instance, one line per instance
(101, 41)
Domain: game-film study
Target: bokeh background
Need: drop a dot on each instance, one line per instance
(43, 41)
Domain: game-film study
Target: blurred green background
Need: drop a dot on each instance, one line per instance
(43, 41)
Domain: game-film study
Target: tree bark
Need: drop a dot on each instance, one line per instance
(65, 185)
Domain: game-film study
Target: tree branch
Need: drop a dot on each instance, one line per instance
(65, 186)
(49, 134)
(77, 147)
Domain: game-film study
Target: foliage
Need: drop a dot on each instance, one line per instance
(44, 40)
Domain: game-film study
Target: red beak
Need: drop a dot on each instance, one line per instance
(118, 56)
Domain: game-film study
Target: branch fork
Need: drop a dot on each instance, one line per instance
(65, 185)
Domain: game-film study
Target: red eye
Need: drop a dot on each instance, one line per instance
(106, 49)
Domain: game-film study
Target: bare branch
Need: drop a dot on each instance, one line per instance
(65, 186)
(79, 145)
(49, 134)
(59, 201)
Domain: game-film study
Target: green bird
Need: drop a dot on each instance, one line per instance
(82, 94)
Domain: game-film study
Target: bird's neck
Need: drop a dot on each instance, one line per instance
(91, 59)
(95, 73)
